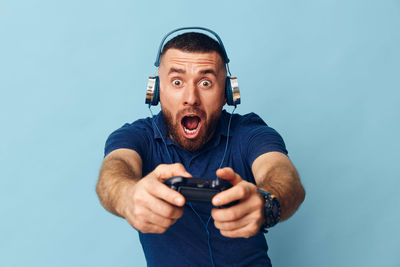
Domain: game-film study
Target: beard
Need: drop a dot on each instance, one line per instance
(175, 129)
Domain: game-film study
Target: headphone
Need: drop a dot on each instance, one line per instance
(232, 92)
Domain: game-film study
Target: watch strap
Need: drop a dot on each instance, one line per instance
(272, 210)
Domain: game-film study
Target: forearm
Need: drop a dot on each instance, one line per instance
(276, 174)
(284, 183)
(115, 178)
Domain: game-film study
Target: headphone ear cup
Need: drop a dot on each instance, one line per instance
(153, 91)
(156, 98)
(232, 92)
(228, 91)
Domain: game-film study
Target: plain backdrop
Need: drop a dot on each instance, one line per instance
(325, 74)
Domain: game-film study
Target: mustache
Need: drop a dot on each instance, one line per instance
(194, 110)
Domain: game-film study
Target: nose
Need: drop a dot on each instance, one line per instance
(191, 97)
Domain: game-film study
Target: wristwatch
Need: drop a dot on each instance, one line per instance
(272, 210)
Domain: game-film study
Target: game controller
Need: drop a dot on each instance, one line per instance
(198, 189)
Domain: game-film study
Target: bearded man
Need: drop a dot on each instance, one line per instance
(190, 138)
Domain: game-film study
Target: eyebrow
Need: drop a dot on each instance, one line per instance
(175, 70)
(182, 71)
(209, 71)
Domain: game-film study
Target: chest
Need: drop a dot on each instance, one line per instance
(204, 163)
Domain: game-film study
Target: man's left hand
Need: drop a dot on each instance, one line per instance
(246, 217)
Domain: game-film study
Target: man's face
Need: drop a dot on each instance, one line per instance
(192, 93)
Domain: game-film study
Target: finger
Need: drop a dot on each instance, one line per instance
(165, 171)
(159, 220)
(233, 225)
(246, 232)
(137, 219)
(162, 208)
(229, 175)
(230, 214)
(144, 219)
(239, 192)
(159, 190)
(252, 205)
(148, 227)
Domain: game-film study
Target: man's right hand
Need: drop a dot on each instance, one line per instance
(149, 205)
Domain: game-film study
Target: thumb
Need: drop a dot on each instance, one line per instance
(165, 171)
(229, 175)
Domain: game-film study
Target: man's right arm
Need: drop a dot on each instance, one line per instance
(120, 171)
(146, 203)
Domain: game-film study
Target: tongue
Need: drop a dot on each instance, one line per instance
(191, 122)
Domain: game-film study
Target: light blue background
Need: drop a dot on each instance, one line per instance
(325, 74)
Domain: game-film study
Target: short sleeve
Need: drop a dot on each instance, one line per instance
(260, 139)
(131, 136)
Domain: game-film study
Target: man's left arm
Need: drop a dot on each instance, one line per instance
(274, 173)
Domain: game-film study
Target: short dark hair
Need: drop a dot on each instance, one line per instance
(194, 42)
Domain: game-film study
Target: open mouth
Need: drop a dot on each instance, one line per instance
(191, 125)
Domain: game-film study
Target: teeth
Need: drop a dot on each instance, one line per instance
(189, 131)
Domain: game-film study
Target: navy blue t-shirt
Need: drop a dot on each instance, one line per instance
(186, 242)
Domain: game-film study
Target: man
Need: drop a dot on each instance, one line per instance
(189, 138)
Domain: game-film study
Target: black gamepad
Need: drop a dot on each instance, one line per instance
(198, 189)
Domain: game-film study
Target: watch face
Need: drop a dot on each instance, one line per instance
(275, 210)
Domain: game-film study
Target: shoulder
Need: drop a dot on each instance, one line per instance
(130, 135)
(144, 123)
(251, 119)
(247, 123)
(141, 127)
(253, 134)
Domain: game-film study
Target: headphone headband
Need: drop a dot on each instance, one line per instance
(157, 62)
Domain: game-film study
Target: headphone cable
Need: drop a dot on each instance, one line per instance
(227, 138)
(162, 137)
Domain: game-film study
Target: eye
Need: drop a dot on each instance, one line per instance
(177, 82)
(205, 83)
